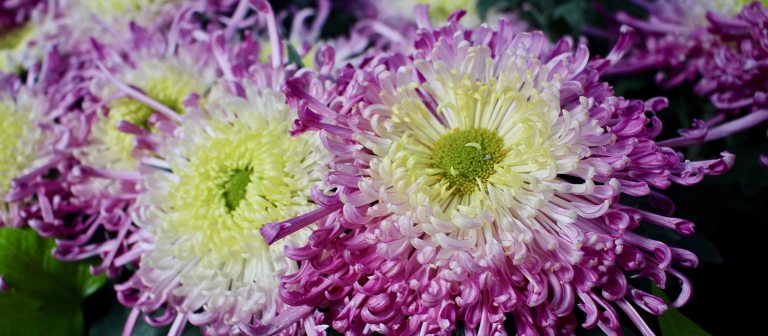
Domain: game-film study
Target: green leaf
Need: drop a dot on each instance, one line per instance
(674, 323)
(24, 315)
(45, 294)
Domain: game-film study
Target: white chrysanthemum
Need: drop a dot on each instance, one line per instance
(228, 173)
(20, 137)
(489, 166)
(168, 81)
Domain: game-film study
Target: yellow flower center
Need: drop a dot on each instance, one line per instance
(739, 4)
(18, 136)
(493, 136)
(234, 182)
(467, 157)
(12, 45)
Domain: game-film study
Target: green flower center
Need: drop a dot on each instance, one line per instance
(467, 157)
(236, 187)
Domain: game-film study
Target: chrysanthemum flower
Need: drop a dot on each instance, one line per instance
(720, 45)
(216, 176)
(224, 174)
(478, 179)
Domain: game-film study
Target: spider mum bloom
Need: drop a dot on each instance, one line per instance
(479, 178)
(226, 171)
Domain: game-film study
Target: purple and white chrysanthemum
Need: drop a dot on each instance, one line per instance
(479, 178)
(217, 174)
(40, 195)
(227, 170)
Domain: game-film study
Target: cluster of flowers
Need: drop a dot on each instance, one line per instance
(416, 174)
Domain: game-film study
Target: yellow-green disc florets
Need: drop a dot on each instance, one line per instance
(467, 157)
(19, 138)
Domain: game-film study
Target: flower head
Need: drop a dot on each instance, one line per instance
(480, 176)
(217, 174)
(229, 171)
